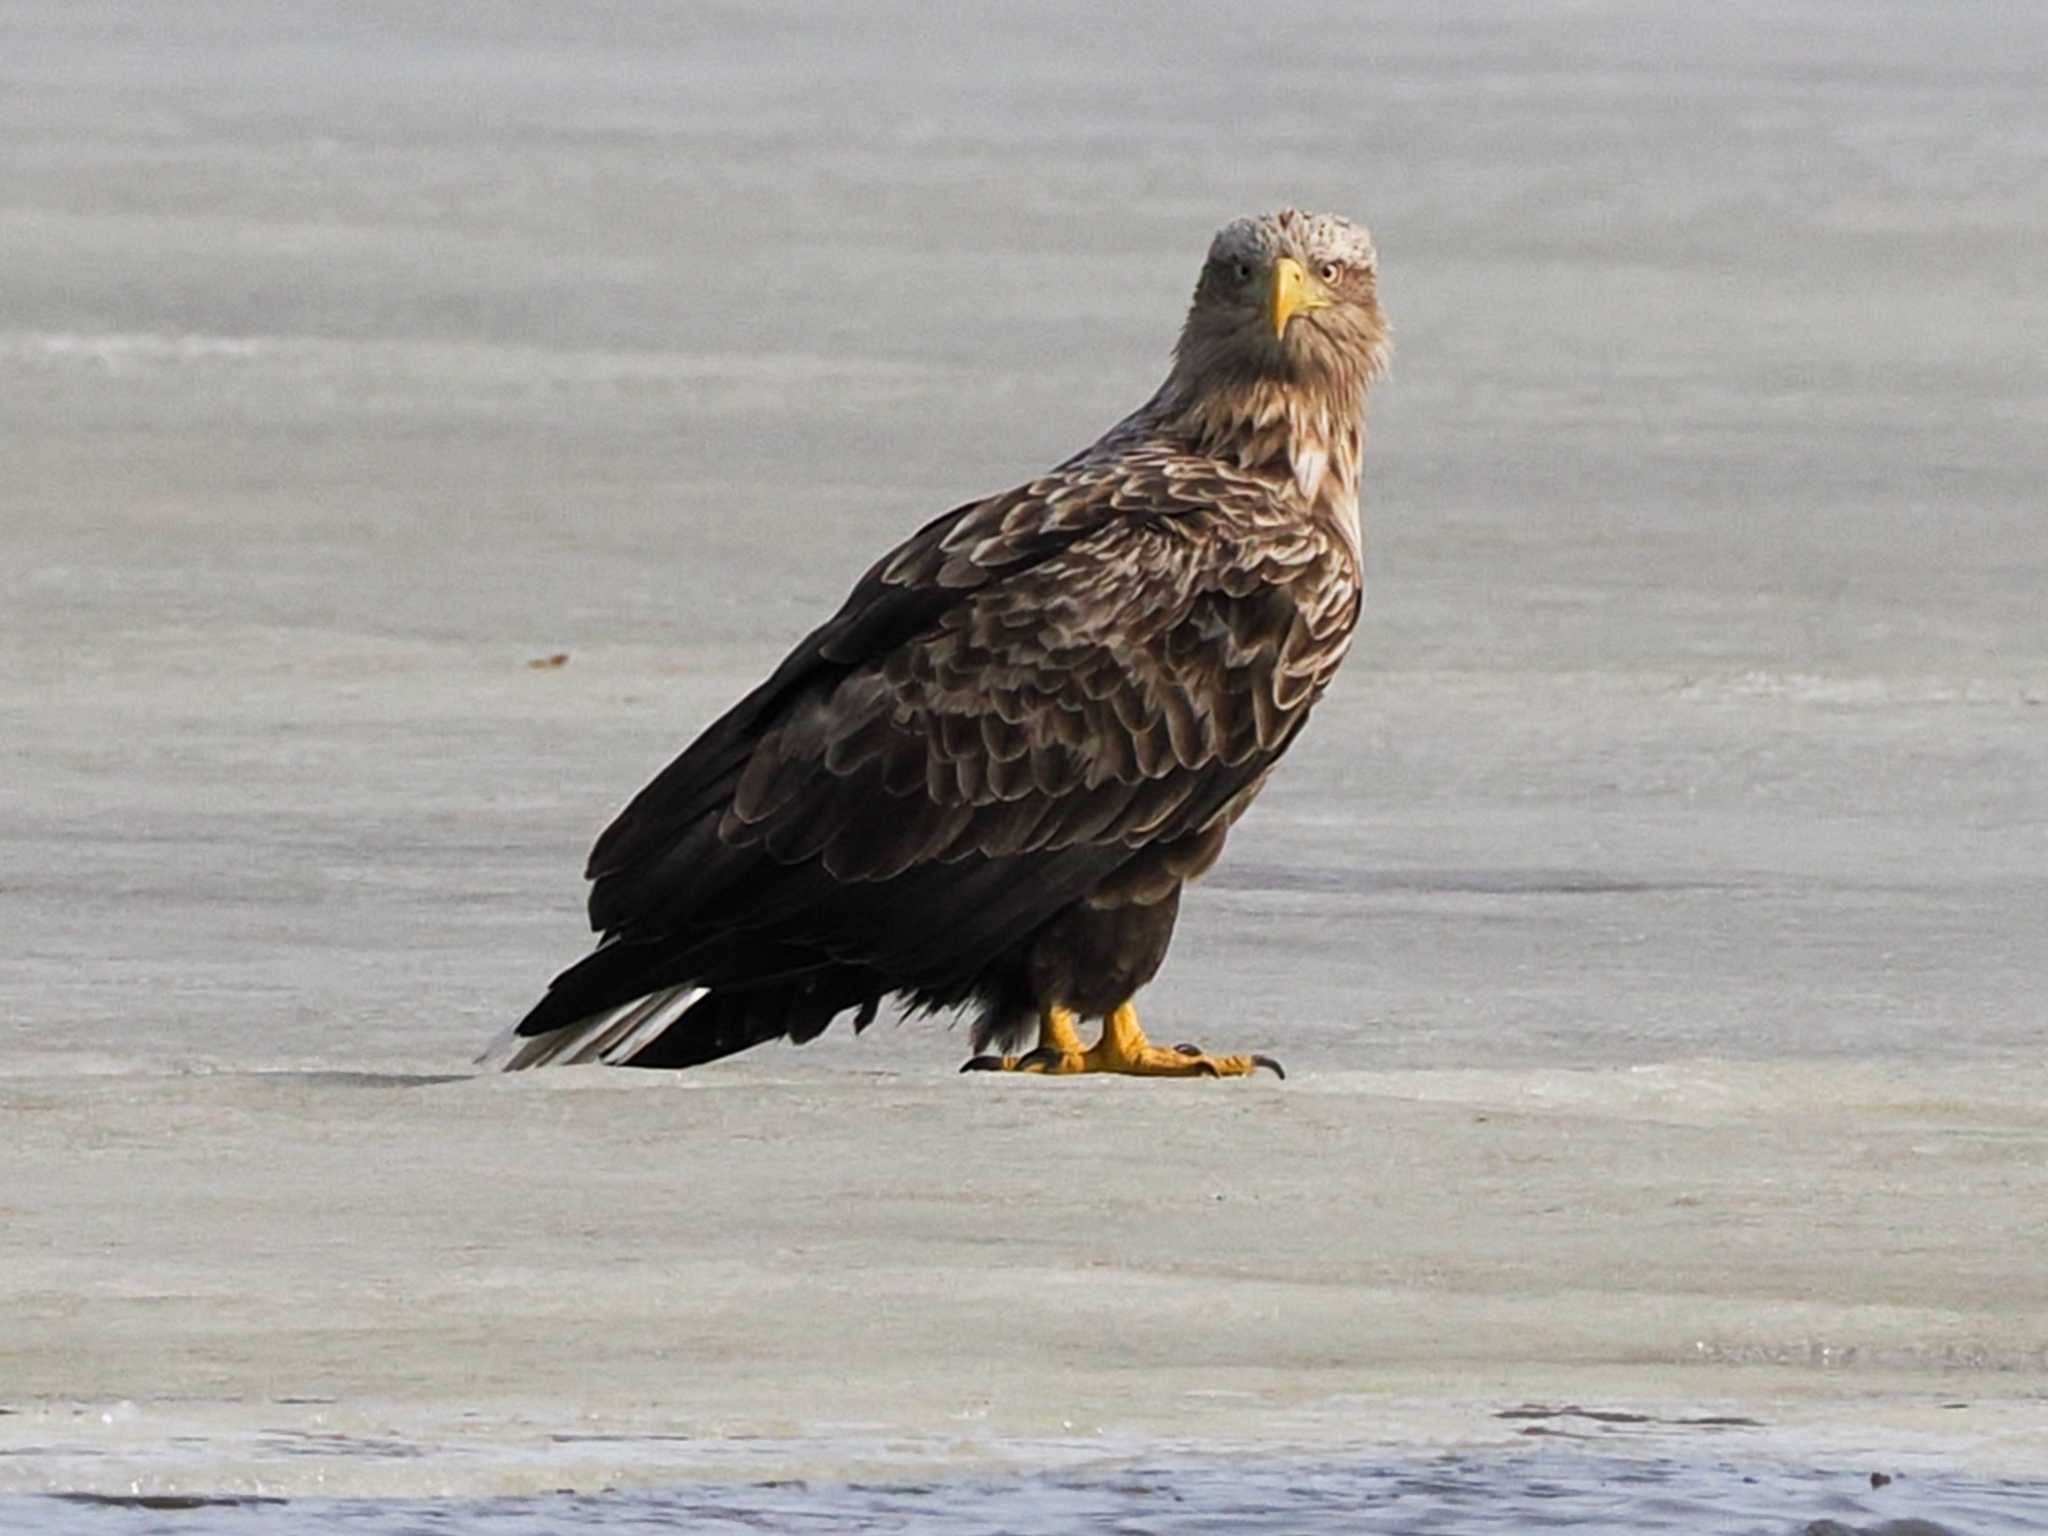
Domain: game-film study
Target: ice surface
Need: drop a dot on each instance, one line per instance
(1507, 1494)
(1651, 920)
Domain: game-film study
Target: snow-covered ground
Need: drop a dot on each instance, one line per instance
(1651, 921)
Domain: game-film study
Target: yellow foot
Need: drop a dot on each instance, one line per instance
(1152, 1061)
(1055, 1034)
(1123, 1048)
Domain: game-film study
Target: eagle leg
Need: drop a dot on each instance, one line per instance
(1056, 1037)
(1124, 1049)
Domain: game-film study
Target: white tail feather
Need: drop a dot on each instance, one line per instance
(611, 1037)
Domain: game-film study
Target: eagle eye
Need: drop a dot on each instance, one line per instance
(1329, 271)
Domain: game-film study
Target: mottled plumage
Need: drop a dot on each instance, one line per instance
(987, 777)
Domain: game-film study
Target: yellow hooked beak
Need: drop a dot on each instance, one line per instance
(1294, 291)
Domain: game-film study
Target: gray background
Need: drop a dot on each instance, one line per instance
(353, 357)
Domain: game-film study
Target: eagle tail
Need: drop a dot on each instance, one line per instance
(611, 1036)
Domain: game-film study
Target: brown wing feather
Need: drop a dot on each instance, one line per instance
(1097, 668)
(1006, 709)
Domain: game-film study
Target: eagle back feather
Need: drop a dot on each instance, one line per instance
(1099, 661)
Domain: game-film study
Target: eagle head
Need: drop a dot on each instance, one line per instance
(1285, 330)
(1290, 296)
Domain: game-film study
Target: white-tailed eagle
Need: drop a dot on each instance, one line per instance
(985, 780)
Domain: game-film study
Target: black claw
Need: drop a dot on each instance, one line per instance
(982, 1064)
(1044, 1056)
(1188, 1050)
(1268, 1062)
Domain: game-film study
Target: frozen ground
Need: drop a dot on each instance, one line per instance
(1474, 1495)
(1651, 920)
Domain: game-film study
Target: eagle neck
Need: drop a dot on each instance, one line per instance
(1309, 442)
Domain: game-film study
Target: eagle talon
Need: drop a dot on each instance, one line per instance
(1148, 1061)
(1123, 1049)
(1044, 1059)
